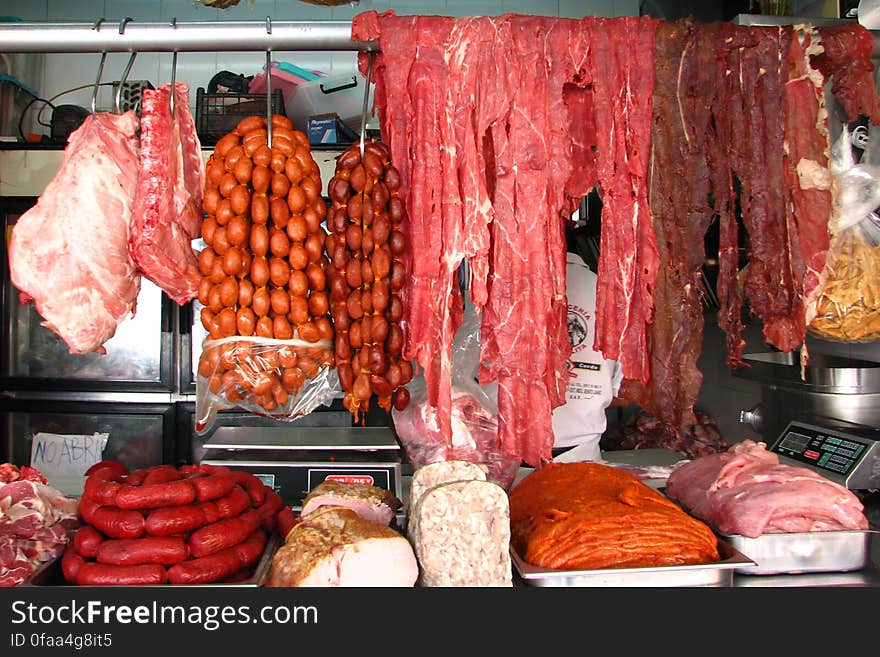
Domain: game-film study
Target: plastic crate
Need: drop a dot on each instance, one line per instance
(218, 114)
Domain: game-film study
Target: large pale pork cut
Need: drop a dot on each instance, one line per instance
(746, 491)
(69, 253)
(371, 502)
(336, 546)
(167, 211)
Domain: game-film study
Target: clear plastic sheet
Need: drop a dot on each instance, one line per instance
(474, 415)
(281, 379)
(848, 306)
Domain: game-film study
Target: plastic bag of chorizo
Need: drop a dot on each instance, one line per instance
(280, 379)
(474, 415)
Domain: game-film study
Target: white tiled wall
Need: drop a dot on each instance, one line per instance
(63, 72)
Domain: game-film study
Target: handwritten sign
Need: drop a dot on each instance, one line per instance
(64, 459)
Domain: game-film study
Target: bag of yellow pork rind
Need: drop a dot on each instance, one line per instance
(848, 305)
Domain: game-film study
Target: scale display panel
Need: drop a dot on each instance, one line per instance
(823, 448)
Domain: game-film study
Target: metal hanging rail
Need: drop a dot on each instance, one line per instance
(133, 36)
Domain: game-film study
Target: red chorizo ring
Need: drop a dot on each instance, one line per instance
(153, 496)
(159, 474)
(118, 523)
(87, 540)
(286, 520)
(255, 488)
(71, 563)
(103, 574)
(107, 470)
(268, 510)
(251, 549)
(205, 570)
(180, 519)
(166, 551)
(87, 507)
(223, 534)
(233, 504)
(212, 487)
(135, 478)
(101, 491)
(210, 468)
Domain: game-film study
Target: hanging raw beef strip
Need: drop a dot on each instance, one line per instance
(628, 260)
(846, 58)
(167, 210)
(484, 160)
(679, 188)
(69, 253)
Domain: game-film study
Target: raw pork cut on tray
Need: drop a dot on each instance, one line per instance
(746, 491)
(36, 522)
(167, 210)
(69, 253)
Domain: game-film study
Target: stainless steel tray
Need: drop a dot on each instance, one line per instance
(719, 573)
(804, 552)
(49, 574)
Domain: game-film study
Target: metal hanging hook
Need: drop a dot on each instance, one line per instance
(366, 101)
(173, 81)
(125, 73)
(98, 80)
(97, 24)
(173, 72)
(125, 21)
(269, 86)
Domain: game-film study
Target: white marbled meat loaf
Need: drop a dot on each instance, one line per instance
(462, 535)
(434, 474)
(442, 472)
(337, 547)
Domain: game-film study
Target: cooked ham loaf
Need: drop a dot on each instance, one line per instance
(335, 546)
(585, 516)
(371, 502)
(462, 535)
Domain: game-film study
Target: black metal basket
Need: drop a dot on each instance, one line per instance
(218, 114)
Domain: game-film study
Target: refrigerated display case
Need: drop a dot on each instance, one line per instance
(139, 435)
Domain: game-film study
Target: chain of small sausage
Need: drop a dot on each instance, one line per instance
(365, 275)
(263, 266)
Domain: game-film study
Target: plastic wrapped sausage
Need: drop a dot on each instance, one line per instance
(263, 294)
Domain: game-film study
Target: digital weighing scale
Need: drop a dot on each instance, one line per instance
(293, 460)
(848, 456)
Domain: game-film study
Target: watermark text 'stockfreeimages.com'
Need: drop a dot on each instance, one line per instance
(89, 613)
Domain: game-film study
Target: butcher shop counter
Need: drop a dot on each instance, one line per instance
(653, 466)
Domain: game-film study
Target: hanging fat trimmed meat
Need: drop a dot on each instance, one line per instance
(69, 253)
(167, 210)
(806, 157)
